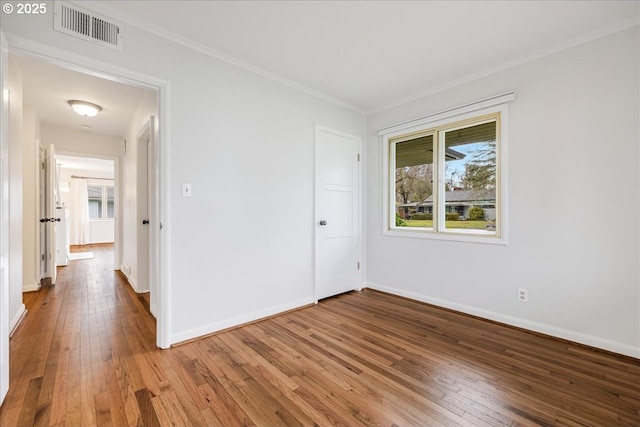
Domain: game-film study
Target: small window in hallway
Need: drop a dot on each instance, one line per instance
(101, 202)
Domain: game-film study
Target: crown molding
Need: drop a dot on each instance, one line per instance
(211, 52)
(603, 32)
(206, 50)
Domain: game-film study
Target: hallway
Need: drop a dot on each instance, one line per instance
(69, 355)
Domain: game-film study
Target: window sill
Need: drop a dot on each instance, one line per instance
(414, 233)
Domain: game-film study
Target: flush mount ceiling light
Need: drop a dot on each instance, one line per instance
(84, 108)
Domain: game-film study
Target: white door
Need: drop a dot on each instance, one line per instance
(142, 259)
(337, 213)
(147, 215)
(42, 206)
(52, 214)
(4, 221)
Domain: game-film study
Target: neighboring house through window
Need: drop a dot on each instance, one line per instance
(445, 174)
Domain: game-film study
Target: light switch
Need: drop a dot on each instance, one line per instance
(186, 190)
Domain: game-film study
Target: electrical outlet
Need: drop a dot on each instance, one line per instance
(523, 295)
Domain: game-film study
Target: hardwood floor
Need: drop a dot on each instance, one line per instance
(85, 355)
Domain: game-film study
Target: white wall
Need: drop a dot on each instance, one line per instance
(243, 244)
(16, 307)
(74, 141)
(573, 203)
(102, 231)
(30, 201)
(242, 141)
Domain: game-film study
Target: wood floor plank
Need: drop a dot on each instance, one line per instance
(149, 418)
(30, 406)
(60, 389)
(169, 410)
(117, 400)
(85, 355)
(73, 415)
(103, 409)
(222, 405)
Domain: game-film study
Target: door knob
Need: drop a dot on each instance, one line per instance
(323, 222)
(145, 221)
(54, 219)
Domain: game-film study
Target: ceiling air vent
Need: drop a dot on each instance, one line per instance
(87, 26)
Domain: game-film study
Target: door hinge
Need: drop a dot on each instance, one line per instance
(358, 156)
(41, 165)
(358, 265)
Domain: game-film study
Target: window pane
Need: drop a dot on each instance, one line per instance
(414, 182)
(110, 203)
(95, 209)
(95, 201)
(470, 179)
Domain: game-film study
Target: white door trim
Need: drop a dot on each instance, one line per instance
(83, 64)
(358, 215)
(4, 221)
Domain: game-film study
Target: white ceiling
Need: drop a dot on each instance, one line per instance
(368, 55)
(47, 88)
(375, 54)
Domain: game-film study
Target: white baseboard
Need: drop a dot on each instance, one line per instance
(237, 321)
(31, 288)
(133, 284)
(578, 337)
(126, 270)
(154, 310)
(15, 322)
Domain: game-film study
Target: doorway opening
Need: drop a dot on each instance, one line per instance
(112, 201)
(86, 203)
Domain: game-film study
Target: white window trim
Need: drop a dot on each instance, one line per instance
(494, 104)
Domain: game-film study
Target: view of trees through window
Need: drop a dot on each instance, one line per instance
(469, 159)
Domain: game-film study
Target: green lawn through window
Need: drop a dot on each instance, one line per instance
(476, 225)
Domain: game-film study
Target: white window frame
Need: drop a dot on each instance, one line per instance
(478, 109)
